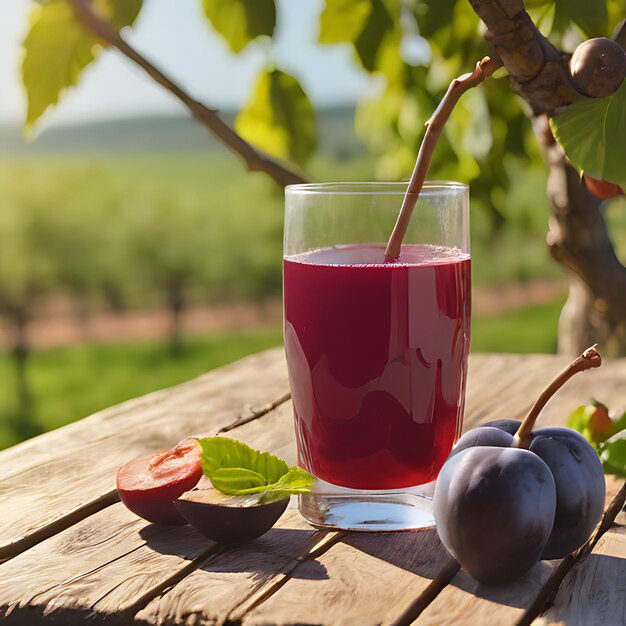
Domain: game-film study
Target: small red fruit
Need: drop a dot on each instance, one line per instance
(602, 426)
(149, 486)
(602, 189)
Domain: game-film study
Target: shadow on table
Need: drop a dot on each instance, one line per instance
(272, 553)
(422, 553)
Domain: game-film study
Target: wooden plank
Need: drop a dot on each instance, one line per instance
(407, 592)
(466, 599)
(112, 563)
(223, 582)
(595, 593)
(177, 602)
(51, 482)
(594, 590)
(362, 579)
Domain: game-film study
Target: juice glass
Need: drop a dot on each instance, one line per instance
(377, 352)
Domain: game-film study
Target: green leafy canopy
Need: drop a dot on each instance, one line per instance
(279, 118)
(593, 134)
(57, 48)
(237, 469)
(241, 21)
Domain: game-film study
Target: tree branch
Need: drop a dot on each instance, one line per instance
(538, 71)
(254, 160)
(434, 126)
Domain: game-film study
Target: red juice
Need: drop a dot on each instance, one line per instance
(377, 356)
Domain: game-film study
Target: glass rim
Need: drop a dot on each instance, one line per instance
(430, 187)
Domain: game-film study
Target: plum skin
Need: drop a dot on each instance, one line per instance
(231, 524)
(495, 508)
(577, 473)
(580, 487)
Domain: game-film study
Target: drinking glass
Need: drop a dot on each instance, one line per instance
(377, 352)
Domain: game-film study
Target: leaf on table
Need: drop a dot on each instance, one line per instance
(279, 118)
(592, 133)
(236, 469)
(241, 21)
(57, 48)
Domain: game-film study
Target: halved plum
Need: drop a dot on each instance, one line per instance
(230, 519)
(149, 486)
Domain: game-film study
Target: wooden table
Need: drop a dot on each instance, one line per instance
(73, 553)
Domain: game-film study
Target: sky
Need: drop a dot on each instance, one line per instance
(177, 38)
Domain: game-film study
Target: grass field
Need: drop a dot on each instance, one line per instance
(70, 383)
(235, 235)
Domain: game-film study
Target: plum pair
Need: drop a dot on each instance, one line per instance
(509, 496)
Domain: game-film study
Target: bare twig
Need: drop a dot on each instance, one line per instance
(434, 126)
(589, 359)
(254, 160)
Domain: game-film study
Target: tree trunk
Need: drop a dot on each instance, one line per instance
(25, 425)
(578, 238)
(176, 303)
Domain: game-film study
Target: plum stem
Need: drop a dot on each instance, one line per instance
(588, 359)
(434, 126)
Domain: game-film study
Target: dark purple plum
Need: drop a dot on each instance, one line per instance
(229, 519)
(508, 426)
(491, 501)
(482, 436)
(494, 509)
(580, 487)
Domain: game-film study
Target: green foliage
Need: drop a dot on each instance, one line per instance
(591, 17)
(607, 435)
(593, 135)
(75, 381)
(613, 454)
(241, 21)
(57, 49)
(119, 13)
(342, 21)
(236, 469)
(279, 118)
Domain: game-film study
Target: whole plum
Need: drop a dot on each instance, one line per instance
(494, 508)
(491, 503)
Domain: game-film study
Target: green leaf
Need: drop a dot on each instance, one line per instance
(237, 469)
(613, 454)
(241, 21)
(57, 48)
(593, 134)
(433, 15)
(279, 118)
(119, 13)
(342, 21)
(378, 26)
(580, 420)
(590, 16)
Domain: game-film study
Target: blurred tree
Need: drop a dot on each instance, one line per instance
(169, 249)
(27, 273)
(415, 47)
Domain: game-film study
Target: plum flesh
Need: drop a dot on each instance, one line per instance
(494, 508)
(148, 487)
